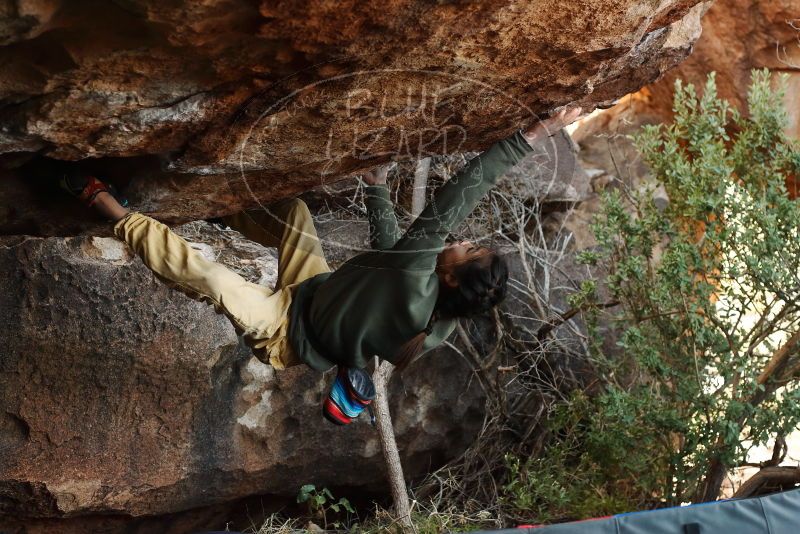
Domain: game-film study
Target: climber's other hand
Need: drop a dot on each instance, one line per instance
(377, 176)
(550, 126)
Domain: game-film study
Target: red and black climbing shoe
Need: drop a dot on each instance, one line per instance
(86, 188)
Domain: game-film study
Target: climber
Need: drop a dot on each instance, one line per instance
(394, 302)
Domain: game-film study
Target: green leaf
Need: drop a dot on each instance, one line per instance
(346, 505)
(305, 493)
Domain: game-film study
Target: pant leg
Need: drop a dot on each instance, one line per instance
(288, 227)
(254, 310)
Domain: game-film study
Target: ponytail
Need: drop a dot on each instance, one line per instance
(413, 347)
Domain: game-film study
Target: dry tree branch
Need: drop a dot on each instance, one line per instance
(777, 366)
(778, 476)
(564, 317)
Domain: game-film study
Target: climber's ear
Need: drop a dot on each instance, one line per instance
(448, 278)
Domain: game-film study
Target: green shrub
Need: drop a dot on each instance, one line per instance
(707, 361)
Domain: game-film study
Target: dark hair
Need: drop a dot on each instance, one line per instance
(482, 285)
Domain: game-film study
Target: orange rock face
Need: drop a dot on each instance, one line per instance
(738, 36)
(221, 104)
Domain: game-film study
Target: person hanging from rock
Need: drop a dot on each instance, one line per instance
(396, 302)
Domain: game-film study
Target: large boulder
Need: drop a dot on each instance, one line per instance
(121, 398)
(550, 177)
(221, 104)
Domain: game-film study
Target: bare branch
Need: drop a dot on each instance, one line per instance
(769, 477)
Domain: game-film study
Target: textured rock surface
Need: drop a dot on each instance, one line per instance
(294, 93)
(121, 397)
(738, 36)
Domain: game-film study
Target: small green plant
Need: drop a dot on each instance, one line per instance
(321, 503)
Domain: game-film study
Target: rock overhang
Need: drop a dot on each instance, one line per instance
(210, 107)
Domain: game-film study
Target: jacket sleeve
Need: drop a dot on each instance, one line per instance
(383, 229)
(456, 199)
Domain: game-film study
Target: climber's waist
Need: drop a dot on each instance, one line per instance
(301, 333)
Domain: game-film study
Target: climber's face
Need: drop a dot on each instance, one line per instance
(456, 254)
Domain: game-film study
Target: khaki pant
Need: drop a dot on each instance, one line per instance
(257, 312)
